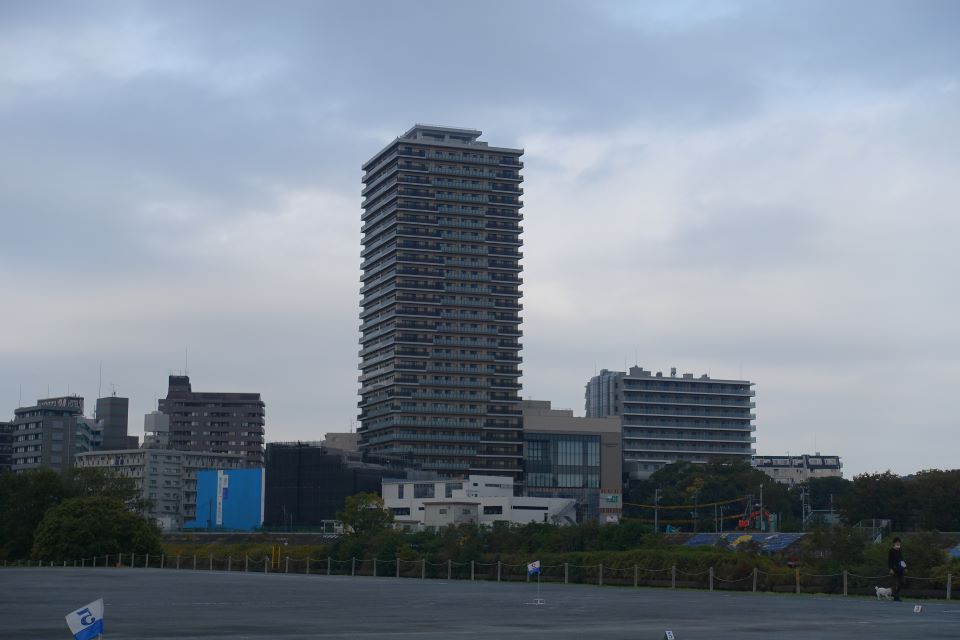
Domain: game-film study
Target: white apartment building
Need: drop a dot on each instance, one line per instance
(481, 500)
(168, 479)
(793, 470)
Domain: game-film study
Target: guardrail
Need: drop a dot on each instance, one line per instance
(795, 581)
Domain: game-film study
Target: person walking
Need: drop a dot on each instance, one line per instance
(897, 566)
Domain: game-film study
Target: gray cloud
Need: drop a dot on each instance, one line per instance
(718, 186)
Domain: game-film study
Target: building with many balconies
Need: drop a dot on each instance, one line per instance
(440, 319)
(669, 418)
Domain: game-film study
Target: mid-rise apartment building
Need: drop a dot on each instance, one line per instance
(49, 433)
(166, 478)
(440, 319)
(112, 414)
(674, 418)
(215, 422)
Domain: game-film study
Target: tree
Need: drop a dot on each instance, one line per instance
(24, 499)
(106, 483)
(365, 514)
(92, 526)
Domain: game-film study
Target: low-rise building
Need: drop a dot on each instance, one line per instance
(570, 457)
(229, 500)
(792, 470)
(480, 500)
(307, 483)
(165, 478)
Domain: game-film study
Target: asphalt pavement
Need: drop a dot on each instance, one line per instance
(146, 604)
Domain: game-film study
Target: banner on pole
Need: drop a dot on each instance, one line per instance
(87, 623)
(533, 567)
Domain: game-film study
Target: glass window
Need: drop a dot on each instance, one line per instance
(400, 491)
(423, 490)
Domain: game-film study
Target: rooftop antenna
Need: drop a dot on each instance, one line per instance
(186, 361)
(20, 395)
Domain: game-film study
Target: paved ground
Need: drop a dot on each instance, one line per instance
(148, 604)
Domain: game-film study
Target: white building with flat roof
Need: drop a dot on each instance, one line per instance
(793, 470)
(480, 500)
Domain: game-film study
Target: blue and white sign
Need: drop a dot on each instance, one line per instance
(533, 567)
(87, 623)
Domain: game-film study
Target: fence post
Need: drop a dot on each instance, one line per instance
(566, 573)
(398, 567)
(636, 575)
(353, 566)
(229, 564)
(308, 565)
(287, 567)
(498, 570)
(194, 562)
(797, 578)
(844, 582)
(374, 567)
(673, 577)
(449, 568)
(83, 562)
(423, 569)
(246, 563)
(949, 584)
(146, 562)
(211, 562)
(178, 561)
(163, 559)
(328, 565)
(601, 575)
(471, 571)
(711, 578)
(266, 566)
(754, 579)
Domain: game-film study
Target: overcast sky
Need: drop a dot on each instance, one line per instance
(757, 189)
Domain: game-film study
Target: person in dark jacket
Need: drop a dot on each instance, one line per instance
(897, 568)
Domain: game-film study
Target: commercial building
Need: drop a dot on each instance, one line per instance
(111, 415)
(572, 457)
(479, 500)
(49, 433)
(440, 319)
(6, 446)
(307, 483)
(166, 478)
(231, 423)
(792, 470)
(229, 499)
(669, 418)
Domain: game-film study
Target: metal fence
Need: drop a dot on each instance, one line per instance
(793, 581)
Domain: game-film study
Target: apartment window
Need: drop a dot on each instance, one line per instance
(492, 511)
(400, 491)
(451, 487)
(401, 511)
(423, 490)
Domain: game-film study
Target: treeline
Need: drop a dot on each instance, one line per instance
(85, 512)
(925, 501)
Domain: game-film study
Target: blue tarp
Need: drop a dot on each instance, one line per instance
(955, 552)
(768, 542)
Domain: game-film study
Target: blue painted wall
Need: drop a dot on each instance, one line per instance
(235, 495)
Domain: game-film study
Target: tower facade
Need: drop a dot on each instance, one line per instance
(440, 319)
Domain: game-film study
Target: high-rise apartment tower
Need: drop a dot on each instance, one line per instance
(440, 319)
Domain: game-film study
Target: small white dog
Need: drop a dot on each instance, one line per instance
(884, 593)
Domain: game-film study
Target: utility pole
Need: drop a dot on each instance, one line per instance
(656, 510)
(761, 508)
